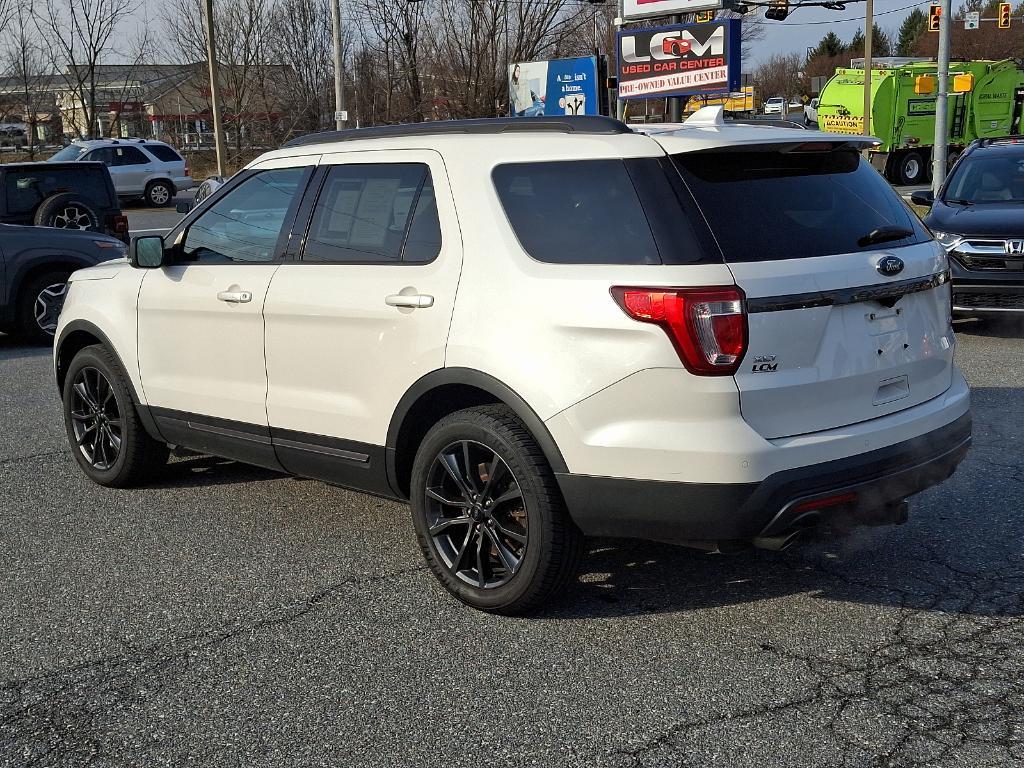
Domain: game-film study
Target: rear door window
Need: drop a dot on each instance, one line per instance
(376, 213)
(164, 153)
(129, 156)
(26, 188)
(770, 205)
(597, 212)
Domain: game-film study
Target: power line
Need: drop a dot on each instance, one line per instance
(842, 21)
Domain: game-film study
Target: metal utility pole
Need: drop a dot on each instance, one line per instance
(211, 60)
(620, 104)
(340, 115)
(675, 104)
(869, 33)
(941, 132)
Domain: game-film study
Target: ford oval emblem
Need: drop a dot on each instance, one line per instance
(889, 265)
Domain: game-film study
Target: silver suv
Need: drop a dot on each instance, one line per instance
(139, 167)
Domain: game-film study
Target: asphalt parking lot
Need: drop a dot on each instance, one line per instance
(231, 616)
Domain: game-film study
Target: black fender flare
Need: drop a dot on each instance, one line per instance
(85, 326)
(482, 381)
(22, 267)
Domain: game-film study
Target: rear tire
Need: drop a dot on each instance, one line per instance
(67, 211)
(39, 304)
(910, 168)
(500, 538)
(159, 194)
(104, 431)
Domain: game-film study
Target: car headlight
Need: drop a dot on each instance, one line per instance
(947, 240)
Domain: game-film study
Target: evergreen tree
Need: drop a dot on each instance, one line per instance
(911, 30)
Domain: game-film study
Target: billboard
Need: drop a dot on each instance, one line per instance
(556, 87)
(641, 9)
(679, 60)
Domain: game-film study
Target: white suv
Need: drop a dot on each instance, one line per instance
(536, 330)
(139, 167)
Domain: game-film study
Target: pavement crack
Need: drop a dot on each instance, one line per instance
(58, 717)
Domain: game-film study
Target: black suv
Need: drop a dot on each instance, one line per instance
(978, 216)
(61, 195)
(34, 268)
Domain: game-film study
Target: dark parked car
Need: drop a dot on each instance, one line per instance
(978, 216)
(34, 268)
(61, 195)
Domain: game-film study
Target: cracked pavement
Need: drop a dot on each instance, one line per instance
(231, 616)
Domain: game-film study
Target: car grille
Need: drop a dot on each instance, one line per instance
(1007, 301)
(988, 255)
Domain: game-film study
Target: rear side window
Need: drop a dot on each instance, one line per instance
(164, 153)
(26, 188)
(597, 212)
(766, 206)
(375, 213)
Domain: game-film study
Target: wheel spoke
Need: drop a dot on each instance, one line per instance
(115, 441)
(494, 474)
(431, 493)
(444, 525)
(508, 559)
(457, 560)
(81, 416)
(510, 534)
(451, 465)
(513, 492)
(85, 433)
(83, 392)
(470, 478)
(481, 579)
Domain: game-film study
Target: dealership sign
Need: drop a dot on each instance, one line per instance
(679, 60)
(642, 9)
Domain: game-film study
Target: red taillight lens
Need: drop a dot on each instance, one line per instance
(838, 500)
(188, 172)
(708, 326)
(119, 223)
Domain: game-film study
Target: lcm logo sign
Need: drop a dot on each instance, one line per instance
(674, 44)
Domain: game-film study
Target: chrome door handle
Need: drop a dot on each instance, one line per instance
(417, 300)
(235, 297)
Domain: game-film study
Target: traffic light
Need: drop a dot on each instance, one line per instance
(778, 10)
(1004, 15)
(934, 14)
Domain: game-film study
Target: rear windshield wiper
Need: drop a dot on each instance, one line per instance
(884, 235)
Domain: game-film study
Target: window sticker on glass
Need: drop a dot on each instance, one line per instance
(373, 216)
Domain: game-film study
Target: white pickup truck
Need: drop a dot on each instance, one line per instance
(811, 112)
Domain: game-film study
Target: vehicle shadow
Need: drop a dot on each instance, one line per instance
(1011, 327)
(197, 470)
(13, 348)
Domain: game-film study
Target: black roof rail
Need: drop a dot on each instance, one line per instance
(989, 140)
(590, 124)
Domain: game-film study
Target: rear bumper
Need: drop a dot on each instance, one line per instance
(713, 513)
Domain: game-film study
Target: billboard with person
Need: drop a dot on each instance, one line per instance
(556, 87)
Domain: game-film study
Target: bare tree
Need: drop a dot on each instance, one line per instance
(302, 38)
(26, 63)
(79, 36)
(779, 75)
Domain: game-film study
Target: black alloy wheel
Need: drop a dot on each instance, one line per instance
(97, 422)
(48, 304)
(489, 516)
(476, 514)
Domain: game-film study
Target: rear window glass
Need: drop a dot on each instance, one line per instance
(164, 153)
(765, 206)
(597, 212)
(26, 188)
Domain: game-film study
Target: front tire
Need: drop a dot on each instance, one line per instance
(488, 514)
(39, 304)
(106, 436)
(159, 194)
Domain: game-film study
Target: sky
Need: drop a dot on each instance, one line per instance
(806, 26)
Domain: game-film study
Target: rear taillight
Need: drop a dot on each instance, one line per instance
(187, 171)
(119, 223)
(708, 326)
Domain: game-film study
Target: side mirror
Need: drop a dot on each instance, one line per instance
(184, 206)
(146, 252)
(923, 197)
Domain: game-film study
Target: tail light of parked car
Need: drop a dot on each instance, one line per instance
(118, 224)
(708, 326)
(188, 171)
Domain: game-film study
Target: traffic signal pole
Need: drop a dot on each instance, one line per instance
(869, 30)
(940, 146)
(675, 104)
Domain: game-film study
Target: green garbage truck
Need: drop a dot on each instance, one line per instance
(990, 103)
